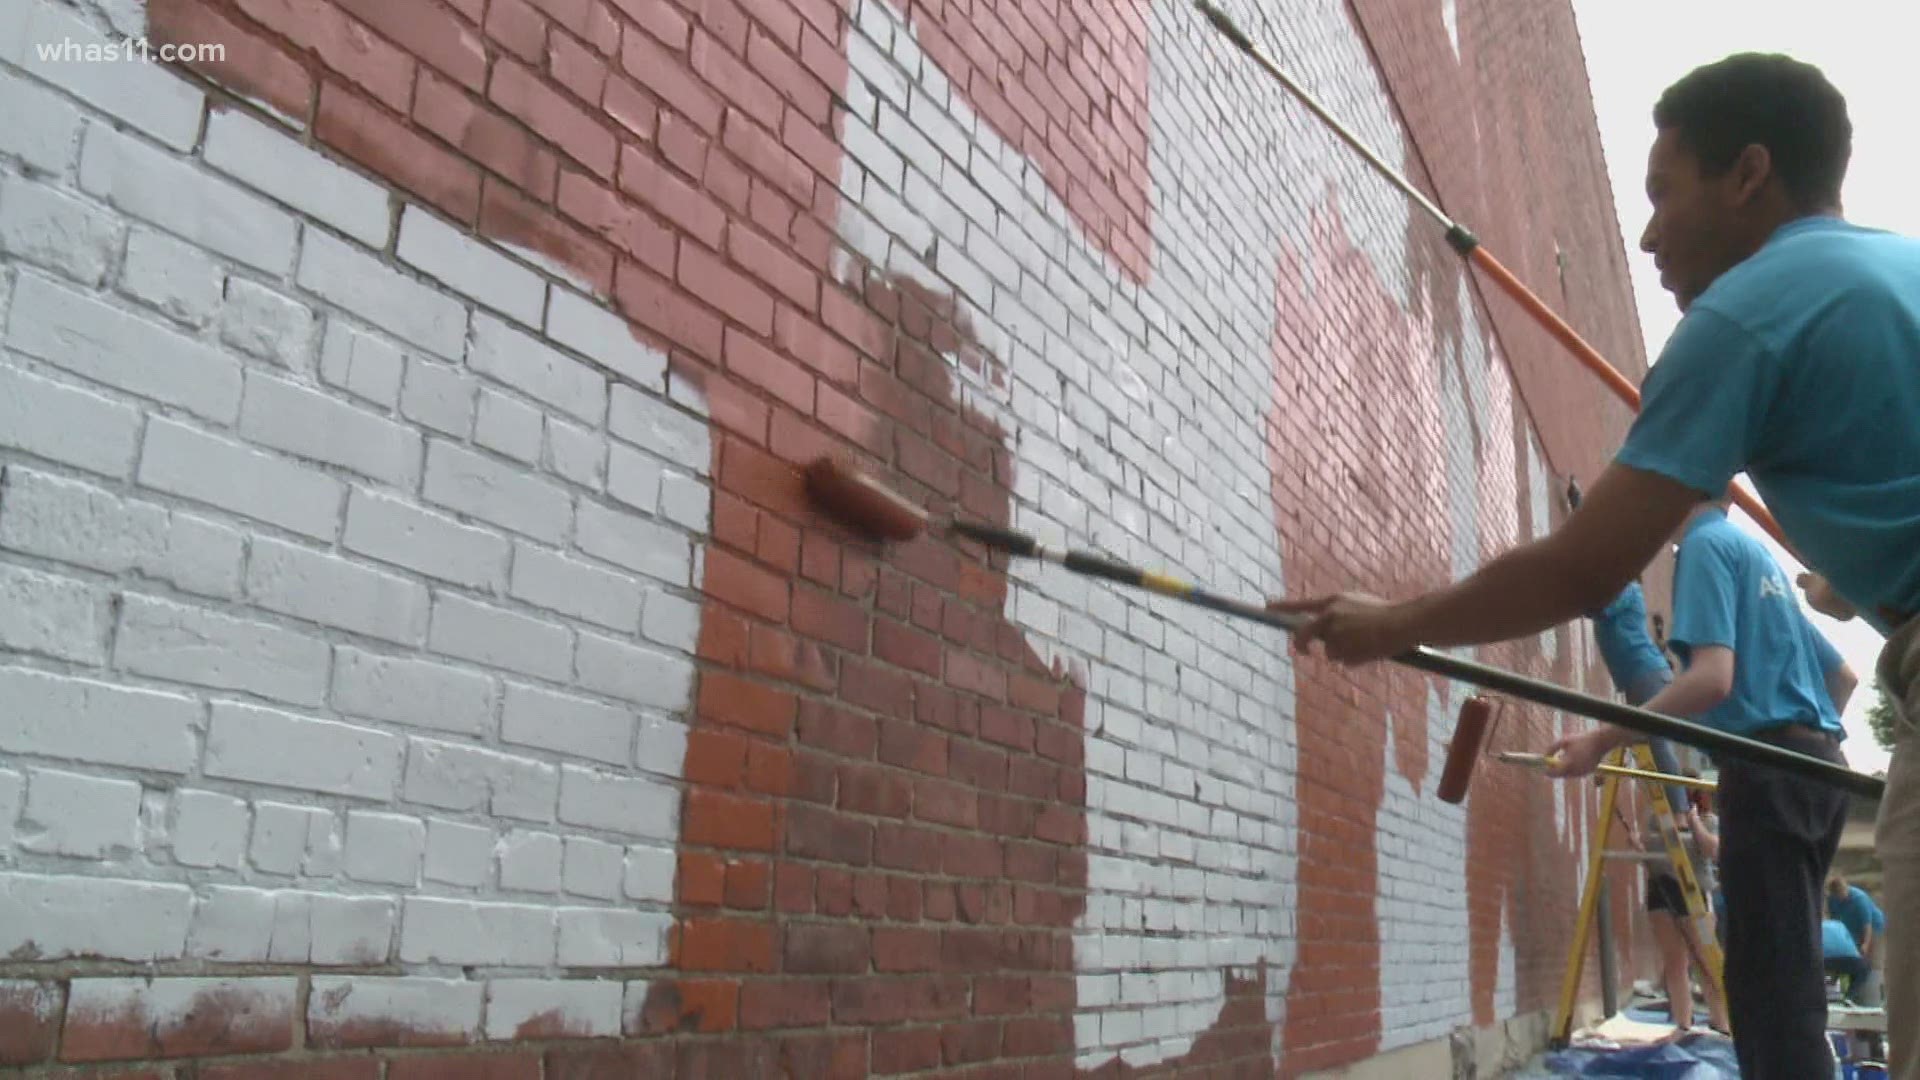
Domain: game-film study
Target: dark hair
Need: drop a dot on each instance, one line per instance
(1773, 100)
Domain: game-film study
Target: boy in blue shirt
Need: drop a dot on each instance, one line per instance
(1797, 361)
(1851, 906)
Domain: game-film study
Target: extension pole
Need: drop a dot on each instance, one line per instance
(1468, 246)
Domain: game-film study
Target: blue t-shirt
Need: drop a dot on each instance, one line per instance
(1620, 629)
(1835, 942)
(1857, 911)
(1801, 367)
(1728, 591)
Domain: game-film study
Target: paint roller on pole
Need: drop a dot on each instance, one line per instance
(1468, 245)
(863, 504)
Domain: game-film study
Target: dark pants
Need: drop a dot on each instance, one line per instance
(1779, 833)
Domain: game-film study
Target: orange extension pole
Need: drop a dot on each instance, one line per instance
(1468, 245)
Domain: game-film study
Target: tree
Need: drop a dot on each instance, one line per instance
(1880, 718)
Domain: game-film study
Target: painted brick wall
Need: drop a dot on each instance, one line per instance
(419, 659)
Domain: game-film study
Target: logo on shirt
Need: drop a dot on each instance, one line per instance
(1771, 585)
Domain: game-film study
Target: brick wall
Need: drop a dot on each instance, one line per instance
(419, 658)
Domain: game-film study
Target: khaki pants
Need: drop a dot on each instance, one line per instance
(1897, 840)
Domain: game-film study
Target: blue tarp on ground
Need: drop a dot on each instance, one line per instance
(1696, 1057)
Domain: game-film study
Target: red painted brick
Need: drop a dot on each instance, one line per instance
(357, 1067)
(819, 560)
(726, 22)
(865, 789)
(727, 181)
(912, 747)
(725, 638)
(780, 655)
(716, 819)
(786, 1004)
(801, 338)
(970, 855)
(1034, 1037)
(1007, 727)
(577, 133)
(827, 949)
(839, 622)
(897, 949)
(342, 44)
(121, 1019)
(733, 80)
(880, 689)
(967, 671)
(778, 545)
(701, 881)
(905, 847)
(905, 1051)
(749, 884)
(465, 1066)
(746, 586)
(631, 1061)
(369, 136)
(727, 290)
(978, 766)
(666, 74)
(249, 63)
(577, 67)
(572, 14)
(424, 30)
(814, 833)
(667, 311)
(901, 645)
(519, 28)
(713, 944)
(661, 18)
(1032, 777)
(833, 892)
(603, 29)
(671, 197)
(964, 1044)
(29, 1020)
(630, 107)
(707, 1006)
(507, 215)
(770, 263)
(484, 136)
(945, 803)
(850, 319)
(785, 381)
(683, 145)
(728, 699)
(842, 732)
(622, 223)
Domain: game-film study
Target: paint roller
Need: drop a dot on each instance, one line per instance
(860, 502)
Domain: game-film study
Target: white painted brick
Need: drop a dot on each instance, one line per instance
(655, 425)
(636, 543)
(469, 267)
(194, 205)
(389, 300)
(420, 693)
(292, 941)
(631, 806)
(405, 535)
(59, 918)
(670, 621)
(232, 924)
(350, 929)
(273, 162)
(438, 396)
(508, 426)
(882, 163)
(171, 276)
(576, 454)
(553, 1008)
(530, 862)
(329, 590)
(312, 425)
(42, 127)
(461, 480)
(57, 231)
(265, 325)
(202, 648)
(592, 868)
(219, 472)
(437, 1011)
(89, 67)
(603, 335)
(633, 478)
(265, 746)
(209, 829)
(12, 788)
(452, 776)
(384, 848)
(462, 932)
(613, 937)
(361, 364)
(649, 874)
(503, 353)
(662, 745)
(86, 817)
(291, 839)
(633, 673)
(634, 1004)
(201, 557)
(458, 854)
(84, 720)
(567, 724)
(53, 616)
(500, 638)
(66, 424)
(550, 580)
(686, 502)
(91, 339)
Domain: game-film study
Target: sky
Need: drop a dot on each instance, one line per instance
(1636, 48)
